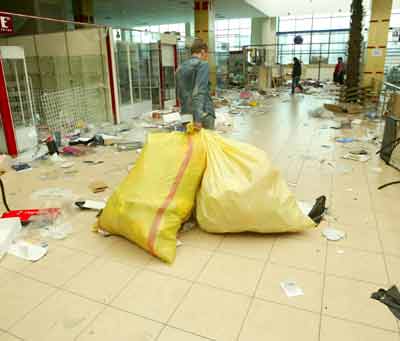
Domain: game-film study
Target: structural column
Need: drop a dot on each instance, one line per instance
(377, 40)
(83, 11)
(204, 23)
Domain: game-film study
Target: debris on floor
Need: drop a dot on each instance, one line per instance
(391, 298)
(91, 204)
(376, 169)
(80, 151)
(355, 157)
(21, 167)
(98, 186)
(57, 231)
(344, 139)
(291, 288)
(9, 229)
(28, 251)
(333, 234)
(344, 108)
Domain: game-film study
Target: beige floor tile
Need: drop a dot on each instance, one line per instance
(101, 280)
(58, 266)
(117, 325)
(90, 242)
(201, 239)
(152, 295)
(18, 296)
(335, 330)
(310, 236)
(128, 253)
(85, 220)
(210, 312)
(355, 219)
(188, 264)
(8, 337)
(393, 264)
(269, 321)
(303, 255)
(61, 317)
(5, 275)
(352, 214)
(359, 238)
(13, 263)
(356, 264)
(232, 273)
(350, 299)
(352, 202)
(172, 334)
(256, 246)
(311, 283)
(388, 218)
(391, 241)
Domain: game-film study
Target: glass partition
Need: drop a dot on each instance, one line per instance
(137, 66)
(67, 77)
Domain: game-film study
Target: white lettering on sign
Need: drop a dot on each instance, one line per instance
(6, 24)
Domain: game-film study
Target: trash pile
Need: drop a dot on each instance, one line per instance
(216, 175)
(237, 190)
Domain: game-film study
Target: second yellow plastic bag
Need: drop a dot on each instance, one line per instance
(158, 195)
(241, 191)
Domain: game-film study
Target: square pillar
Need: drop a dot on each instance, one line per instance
(377, 40)
(204, 24)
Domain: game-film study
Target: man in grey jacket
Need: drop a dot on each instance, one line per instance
(193, 88)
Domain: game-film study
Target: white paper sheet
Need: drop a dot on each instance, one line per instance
(27, 251)
(94, 205)
(291, 289)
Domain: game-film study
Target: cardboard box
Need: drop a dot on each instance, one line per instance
(345, 108)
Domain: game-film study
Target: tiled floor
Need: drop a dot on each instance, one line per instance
(222, 288)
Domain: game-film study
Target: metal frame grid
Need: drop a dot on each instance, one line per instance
(67, 110)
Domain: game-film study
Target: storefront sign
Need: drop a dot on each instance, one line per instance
(6, 23)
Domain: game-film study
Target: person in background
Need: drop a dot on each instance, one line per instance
(296, 74)
(338, 75)
(193, 89)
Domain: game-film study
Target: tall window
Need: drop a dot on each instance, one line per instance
(324, 36)
(392, 63)
(232, 34)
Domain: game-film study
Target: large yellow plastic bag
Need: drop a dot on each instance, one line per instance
(241, 191)
(158, 195)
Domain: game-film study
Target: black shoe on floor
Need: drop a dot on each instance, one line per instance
(318, 210)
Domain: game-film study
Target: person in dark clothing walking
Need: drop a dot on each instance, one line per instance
(296, 74)
(193, 88)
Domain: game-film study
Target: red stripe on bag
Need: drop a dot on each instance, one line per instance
(160, 212)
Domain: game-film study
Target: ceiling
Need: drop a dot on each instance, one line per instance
(128, 13)
(296, 7)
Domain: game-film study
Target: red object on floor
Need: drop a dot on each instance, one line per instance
(25, 215)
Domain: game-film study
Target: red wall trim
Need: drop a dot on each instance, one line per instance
(6, 115)
(111, 78)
